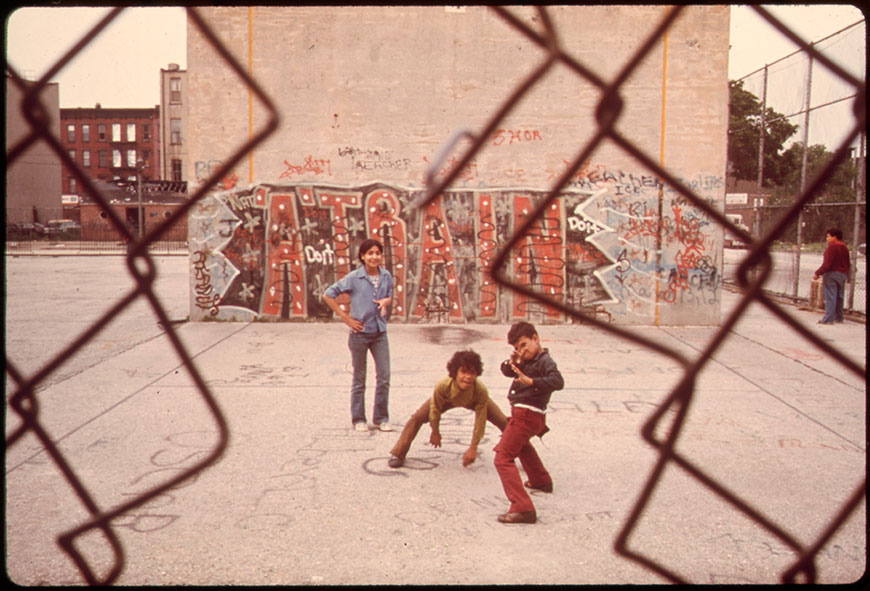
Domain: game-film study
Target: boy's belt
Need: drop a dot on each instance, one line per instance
(530, 407)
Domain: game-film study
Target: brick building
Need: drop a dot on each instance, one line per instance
(110, 143)
(159, 200)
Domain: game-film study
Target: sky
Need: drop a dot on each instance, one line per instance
(117, 72)
(120, 68)
(755, 43)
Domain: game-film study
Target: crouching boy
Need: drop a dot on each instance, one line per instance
(461, 388)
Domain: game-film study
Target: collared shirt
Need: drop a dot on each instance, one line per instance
(363, 294)
(447, 395)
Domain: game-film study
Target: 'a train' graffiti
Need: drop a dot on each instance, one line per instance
(270, 251)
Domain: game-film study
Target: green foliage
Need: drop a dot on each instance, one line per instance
(744, 129)
(782, 169)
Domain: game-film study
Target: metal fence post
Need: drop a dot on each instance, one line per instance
(856, 224)
(797, 264)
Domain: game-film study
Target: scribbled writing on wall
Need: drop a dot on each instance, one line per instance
(614, 240)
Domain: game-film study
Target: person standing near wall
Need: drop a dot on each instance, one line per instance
(370, 287)
(834, 272)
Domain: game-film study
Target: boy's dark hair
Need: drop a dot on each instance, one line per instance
(467, 359)
(521, 329)
(367, 246)
(836, 233)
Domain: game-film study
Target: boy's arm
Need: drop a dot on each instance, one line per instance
(827, 263)
(480, 404)
(552, 379)
(354, 324)
(384, 303)
(507, 370)
(436, 407)
(333, 291)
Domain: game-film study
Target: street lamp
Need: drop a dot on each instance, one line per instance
(140, 166)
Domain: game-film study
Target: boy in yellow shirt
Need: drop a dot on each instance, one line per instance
(460, 389)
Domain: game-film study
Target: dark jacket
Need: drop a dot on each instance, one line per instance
(546, 379)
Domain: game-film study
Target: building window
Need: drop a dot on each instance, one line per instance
(86, 158)
(146, 132)
(86, 133)
(116, 158)
(101, 132)
(70, 132)
(175, 131)
(116, 132)
(176, 170)
(131, 132)
(72, 155)
(71, 185)
(146, 156)
(103, 159)
(175, 90)
(131, 158)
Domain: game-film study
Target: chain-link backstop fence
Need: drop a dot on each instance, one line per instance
(751, 275)
(820, 103)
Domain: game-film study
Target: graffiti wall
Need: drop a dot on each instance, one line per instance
(618, 244)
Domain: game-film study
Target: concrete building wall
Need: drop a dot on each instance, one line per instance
(33, 180)
(369, 95)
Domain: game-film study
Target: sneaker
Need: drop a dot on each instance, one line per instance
(396, 462)
(361, 427)
(385, 426)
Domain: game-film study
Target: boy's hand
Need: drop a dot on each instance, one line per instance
(382, 304)
(354, 324)
(521, 377)
(435, 438)
(469, 456)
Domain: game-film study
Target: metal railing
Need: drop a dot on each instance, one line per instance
(751, 274)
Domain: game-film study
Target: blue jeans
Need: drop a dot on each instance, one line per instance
(833, 291)
(360, 343)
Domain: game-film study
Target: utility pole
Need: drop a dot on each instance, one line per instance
(140, 166)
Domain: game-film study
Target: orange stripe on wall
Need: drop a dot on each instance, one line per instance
(662, 160)
(250, 91)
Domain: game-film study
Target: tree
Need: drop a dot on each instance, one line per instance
(839, 189)
(744, 124)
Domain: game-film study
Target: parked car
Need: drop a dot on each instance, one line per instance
(65, 228)
(862, 248)
(732, 241)
(24, 231)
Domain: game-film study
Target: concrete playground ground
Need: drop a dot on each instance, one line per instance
(300, 498)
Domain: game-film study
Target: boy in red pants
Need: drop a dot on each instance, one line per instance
(536, 377)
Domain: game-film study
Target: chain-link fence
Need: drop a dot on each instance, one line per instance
(752, 273)
(23, 401)
(814, 97)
